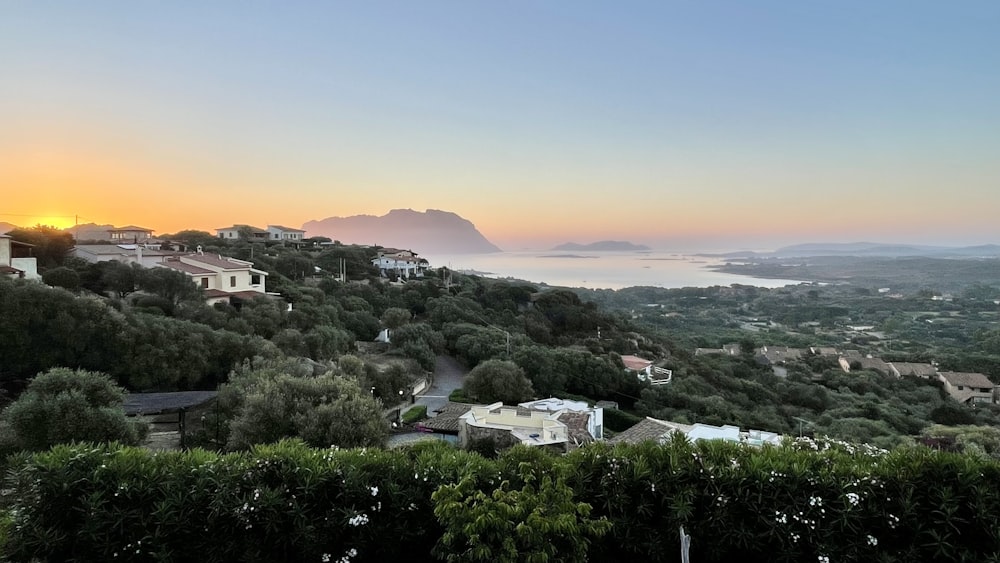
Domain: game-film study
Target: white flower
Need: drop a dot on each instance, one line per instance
(824, 559)
(853, 498)
(872, 540)
(359, 520)
(325, 558)
(374, 491)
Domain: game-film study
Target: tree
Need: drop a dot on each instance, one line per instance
(539, 522)
(498, 380)
(120, 278)
(395, 317)
(63, 277)
(63, 405)
(51, 245)
(270, 400)
(194, 238)
(169, 284)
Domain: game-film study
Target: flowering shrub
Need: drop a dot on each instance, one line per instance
(287, 502)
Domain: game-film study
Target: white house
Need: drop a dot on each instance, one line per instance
(646, 371)
(279, 233)
(16, 260)
(403, 263)
(510, 425)
(126, 253)
(221, 277)
(595, 415)
(656, 430)
(233, 233)
(130, 233)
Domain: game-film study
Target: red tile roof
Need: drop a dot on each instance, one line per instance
(218, 261)
(187, 268)
(636, 363)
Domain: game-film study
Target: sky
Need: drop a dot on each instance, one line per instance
(689, 124)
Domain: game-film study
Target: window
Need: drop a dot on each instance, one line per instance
(204, 283)
(254, 279)
(960, 388)
(232, 281)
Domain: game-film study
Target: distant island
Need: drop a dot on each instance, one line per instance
(603, 246)
(427, 232)
(868, 249)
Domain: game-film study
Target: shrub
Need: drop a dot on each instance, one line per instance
(64, 405)
(804, 501)
(414, 414)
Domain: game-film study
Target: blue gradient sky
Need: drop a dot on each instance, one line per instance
(676, 124)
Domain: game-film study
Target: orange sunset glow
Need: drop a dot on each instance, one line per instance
(654, 135)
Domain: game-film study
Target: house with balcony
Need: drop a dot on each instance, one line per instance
(221, 278)
(16, 260)
(969, 388)
(402, 263)
(130, 234)
(646, 371)
(236, 232)
(507, 426)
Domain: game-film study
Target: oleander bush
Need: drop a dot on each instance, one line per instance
(805, 501)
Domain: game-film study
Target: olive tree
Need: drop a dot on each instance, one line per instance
(498, 380)
(63, 405)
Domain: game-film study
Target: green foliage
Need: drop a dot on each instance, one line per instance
(268, 403)
(415, 413)
(395, 317)
(286, 502)
(497, 380)
(66, 278)
(539, 522)
(51, 245)
(619, 421)
(64, 405)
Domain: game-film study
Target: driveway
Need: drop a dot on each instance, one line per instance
(449, 375)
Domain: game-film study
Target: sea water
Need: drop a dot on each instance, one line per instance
(601, 270)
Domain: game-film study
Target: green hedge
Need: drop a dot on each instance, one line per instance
(286, 502)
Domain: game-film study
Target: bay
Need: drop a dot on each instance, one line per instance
(601, 270)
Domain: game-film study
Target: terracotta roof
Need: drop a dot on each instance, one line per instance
(576, 423)
(913, 369)
(648, 429)
(218, 260)
(873, 364)
(185, 267)
(285, 228)
(965, 395)
(9, 270)
(130, 228)
(977, 380)
(636, 363)
(121, 249)
(446, 418)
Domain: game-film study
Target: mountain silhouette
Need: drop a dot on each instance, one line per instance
(431, 231)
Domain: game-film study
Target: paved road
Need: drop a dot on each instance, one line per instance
(448, 376)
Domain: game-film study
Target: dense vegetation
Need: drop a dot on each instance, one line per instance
(286, 502)
(142, 328)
